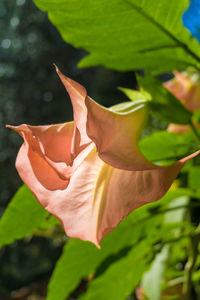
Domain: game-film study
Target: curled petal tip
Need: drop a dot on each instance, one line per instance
(57, 70)
(98, 246)
(12, 127)
(9, 126)
(185, 159)
(60, 74)
(19, 128)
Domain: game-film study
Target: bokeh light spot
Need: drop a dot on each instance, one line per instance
(6, 43)
(14, 21)
(20, 2)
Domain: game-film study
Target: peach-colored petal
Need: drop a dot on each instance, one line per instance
(178, 128)
(184, 89)
(179, 85)
(181, 128)
(77, 95)
(124, 191)
(116, 135)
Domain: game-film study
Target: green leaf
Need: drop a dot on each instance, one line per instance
(122, 277)
(49, 222)
(196, 116)
(163, 104)
(126, 34)
(133, 95)
(77, 261)
(193, 178)
(164, 145)
(22, 217)
(127, 107)
(152, 280)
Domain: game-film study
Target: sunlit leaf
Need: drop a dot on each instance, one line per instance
(133, 95)
(163, 145)
(49, 222)
(22, 217)
(122, 277)
(126, 35)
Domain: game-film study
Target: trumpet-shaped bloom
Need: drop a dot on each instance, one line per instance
(90, 173)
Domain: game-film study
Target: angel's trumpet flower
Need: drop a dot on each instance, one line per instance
(90, 173)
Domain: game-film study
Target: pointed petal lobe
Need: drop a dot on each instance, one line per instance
(77, 95)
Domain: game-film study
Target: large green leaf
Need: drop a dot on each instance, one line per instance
(122, 277)
(22, 217)
(78, 260)
(126, 34)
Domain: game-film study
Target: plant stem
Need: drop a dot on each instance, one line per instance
(193, 252)
(194, 130)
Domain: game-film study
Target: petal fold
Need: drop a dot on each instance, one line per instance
(115, 134)
(49, 151)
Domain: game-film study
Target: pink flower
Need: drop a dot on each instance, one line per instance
(90, 173)
(188, 92)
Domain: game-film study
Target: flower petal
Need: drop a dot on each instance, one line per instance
(77, 95)
(51, 145)
(179, 86)
(181, 128)
(116, 135)
(185, 89)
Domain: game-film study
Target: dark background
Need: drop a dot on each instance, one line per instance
(31, 92)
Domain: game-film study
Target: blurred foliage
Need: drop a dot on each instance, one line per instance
(30, 92)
